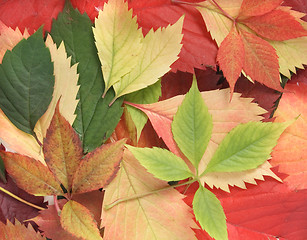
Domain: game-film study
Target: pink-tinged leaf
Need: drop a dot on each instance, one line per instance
(9, 38)
(31, 14)
(277, 25)
(12, 209)
(162, 215)
(261, 61)
(231, 57)
(98, 168)
(79, 221)
(250, 8)
(18, 231)
(62, 149)
(297, 5)
(31, 175)
(290, 153)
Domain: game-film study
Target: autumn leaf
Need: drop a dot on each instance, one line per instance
(18, 231)
(225, 115)
(142, 218)
(98, 168)
(257, 23)
(77, 219)
(289, 154)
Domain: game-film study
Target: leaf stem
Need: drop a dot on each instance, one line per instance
(20, 199)
(223, 11)
(140, 195)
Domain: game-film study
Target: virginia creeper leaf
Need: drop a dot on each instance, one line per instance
(18, 231)
(251, 8)
(290, 152)
(62, 149)
(118, 41)
(9, 38)
(26, 83)
(209, 212)
(98, 168)
(78, 220)
(65, 87)
(150, 94)
(261, 61)
(2, 171)
(192, 125)
(162, 163)
(231, 57)
(31, 175)
(276, 25)
(143, 218)
(76, 32)
(160, 49)
(246, 147)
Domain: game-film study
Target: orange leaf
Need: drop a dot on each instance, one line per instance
(290, 153)
(62, 149)
(276, 25)
(98, 168)
(261, 61)
(231, 57)
(78, 220)
(31, 175)
(250, 8)
(18, 231)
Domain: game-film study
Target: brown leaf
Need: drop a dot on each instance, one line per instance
(98, 168)
(62, 149)
(31, 175)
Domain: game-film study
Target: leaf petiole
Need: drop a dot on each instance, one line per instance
(20, 199)
(140, 195)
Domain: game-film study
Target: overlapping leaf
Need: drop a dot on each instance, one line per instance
(76, 32)
(225, 115)
(252, 19)
(143, 218)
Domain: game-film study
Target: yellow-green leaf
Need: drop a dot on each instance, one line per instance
(78, 220)
(118, 41)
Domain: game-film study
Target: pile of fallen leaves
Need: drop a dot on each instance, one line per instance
(153, 119)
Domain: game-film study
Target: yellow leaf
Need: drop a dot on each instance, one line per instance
(118, 41)
(78, 220)
(65, 88)
(159, 50)
(162, 215)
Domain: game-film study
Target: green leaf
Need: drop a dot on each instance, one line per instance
(246, 147)
(27, 82)
(209, 213)
(95, 119)
(192, 125)
(162, 163)
(147, 95)
(2, 171)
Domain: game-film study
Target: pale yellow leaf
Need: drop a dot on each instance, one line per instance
(65, 88)
(9, 38)
(217, 24)
(160, 49)
(118, 41)
(162, 215)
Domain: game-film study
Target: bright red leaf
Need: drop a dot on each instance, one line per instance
(250, 8)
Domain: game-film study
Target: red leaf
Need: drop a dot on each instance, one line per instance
(297, 5)
(31, 14)
(231, 57)
(276, 25)
(11, 208)
(266, 211)
(261, 61)
(251, 8)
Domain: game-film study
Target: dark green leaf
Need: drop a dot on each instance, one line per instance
(2, 171)
(26, 82)
(95, 119)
